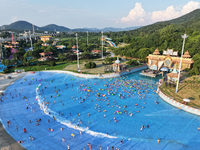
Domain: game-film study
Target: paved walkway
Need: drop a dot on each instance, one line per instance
(4, 81)
(7, 142)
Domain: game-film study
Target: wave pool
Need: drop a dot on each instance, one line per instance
(101, 112)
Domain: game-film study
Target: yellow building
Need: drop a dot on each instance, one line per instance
(168, 60)
(46, 38)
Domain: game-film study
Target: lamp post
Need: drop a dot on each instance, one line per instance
(33, 29)
(31, 40)
(184, 37)
(77, 50)
(102, 45)
(25, 34)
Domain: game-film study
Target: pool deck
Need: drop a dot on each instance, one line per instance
(6, 141)
(103, 76)
(148, 74)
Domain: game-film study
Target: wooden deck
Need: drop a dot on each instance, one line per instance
(148, 74)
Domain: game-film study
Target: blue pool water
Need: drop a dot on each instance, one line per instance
(105, 110)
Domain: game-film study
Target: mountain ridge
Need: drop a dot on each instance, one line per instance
(25, 25)
(188, 20)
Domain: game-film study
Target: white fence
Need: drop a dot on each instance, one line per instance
(174, 103)
(101, 76)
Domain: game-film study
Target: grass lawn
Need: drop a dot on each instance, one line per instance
(189, 88)
(99, 68)
(58, 66)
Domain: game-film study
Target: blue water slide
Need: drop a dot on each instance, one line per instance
(113, 44)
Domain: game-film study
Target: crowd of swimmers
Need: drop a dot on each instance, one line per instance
(122, 88)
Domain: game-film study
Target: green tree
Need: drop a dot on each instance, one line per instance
(19, 55)
(86, 55)
(5, 34)
(132, 62)
(126, 39)
(143, 53)
(51, 49)
(27, 58)
(90, 65)
(109, 60)
(7, 62)
(196, 66)
(61, 57)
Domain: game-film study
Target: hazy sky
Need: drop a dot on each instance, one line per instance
(94, 13)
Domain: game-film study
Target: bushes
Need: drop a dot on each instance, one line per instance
(142, 60)
(132, 62)
(90, 65)
(40, 63)
(109, 60)
(49, 63)
(187, 69)
(6, 70)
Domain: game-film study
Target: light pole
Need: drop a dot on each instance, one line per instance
(33, 29)
(184, 37)
(25, 34)
(102, 45)
(31, 40)
(77, 50)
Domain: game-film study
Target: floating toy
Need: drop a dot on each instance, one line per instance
(73, 135)
(118, 112)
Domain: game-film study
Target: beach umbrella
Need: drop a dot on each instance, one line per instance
(164, 69)
(186, 100)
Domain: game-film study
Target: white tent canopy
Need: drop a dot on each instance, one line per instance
(186, 100)
(164, 69)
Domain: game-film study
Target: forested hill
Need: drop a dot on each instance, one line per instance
(191, 18)
(186, 22)
(162, 35)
